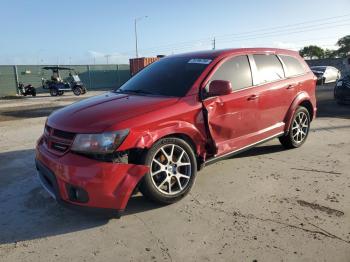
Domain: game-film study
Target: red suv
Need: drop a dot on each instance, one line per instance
(170, 120)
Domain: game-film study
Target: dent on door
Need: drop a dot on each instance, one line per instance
(220, 119)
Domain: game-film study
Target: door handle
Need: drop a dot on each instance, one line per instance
(253, 97)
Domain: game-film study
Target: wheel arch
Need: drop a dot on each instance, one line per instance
(189, 140)
(302, 99)
(190, 136)
(307, 104)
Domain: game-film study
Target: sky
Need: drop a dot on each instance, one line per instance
(91, 31)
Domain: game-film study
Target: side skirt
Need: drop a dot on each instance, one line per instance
(235, 152)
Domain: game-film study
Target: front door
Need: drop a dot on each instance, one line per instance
(232, 118)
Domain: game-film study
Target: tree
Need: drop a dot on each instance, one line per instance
(312, 52)
(328, 53)
(344, 46)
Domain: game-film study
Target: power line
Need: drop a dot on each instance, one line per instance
(252, 38)
(261, 31)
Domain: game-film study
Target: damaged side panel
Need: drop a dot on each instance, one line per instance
(230, 119)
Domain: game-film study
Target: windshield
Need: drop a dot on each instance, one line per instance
(171, 76)
(76, 78)
(316, 68)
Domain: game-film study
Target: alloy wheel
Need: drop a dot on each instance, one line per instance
(171, 169)
(300, 127)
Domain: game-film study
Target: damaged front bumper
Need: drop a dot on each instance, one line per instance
(80, 181)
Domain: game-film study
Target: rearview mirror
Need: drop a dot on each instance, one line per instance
(219, 88)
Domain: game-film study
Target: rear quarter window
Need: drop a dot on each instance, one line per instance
(293, 66)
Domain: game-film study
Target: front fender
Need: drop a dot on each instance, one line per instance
(145, 139)
(300, 98)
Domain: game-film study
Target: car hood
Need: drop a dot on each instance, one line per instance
(96, 114)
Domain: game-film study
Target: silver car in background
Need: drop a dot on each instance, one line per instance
(326, 74)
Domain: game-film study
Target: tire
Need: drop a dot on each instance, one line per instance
(77, 91)
(168, 181)
(53, 92)
(298, 130)
(34, 92)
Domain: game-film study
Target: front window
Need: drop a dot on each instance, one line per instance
(237, 71)
(171, 76)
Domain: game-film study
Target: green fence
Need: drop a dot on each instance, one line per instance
(94, 77)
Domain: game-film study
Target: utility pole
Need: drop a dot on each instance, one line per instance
(135, 28)
(213, 43)
(107, 58)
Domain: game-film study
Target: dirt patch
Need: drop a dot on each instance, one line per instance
(329, 211)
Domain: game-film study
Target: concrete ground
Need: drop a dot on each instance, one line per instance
(267, 204)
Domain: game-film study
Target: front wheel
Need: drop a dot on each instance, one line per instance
(173, 169)
(53, 92)
(298, 130)
(77, 91)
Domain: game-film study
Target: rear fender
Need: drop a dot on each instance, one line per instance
(301, 97)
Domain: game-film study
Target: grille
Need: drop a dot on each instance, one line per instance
(63, 134)
(58, 141)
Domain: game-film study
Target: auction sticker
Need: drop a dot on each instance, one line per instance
(199, 61)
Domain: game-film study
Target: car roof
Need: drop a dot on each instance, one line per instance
(227, 52)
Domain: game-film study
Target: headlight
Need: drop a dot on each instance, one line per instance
(99, 143)
(339, 83)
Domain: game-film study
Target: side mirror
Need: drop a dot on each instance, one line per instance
(219, 88)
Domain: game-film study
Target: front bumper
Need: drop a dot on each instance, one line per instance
(95, 184)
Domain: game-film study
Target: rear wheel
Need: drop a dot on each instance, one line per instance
(172, 173)
(298, 130)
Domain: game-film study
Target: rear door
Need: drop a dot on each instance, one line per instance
(269, 79)
(232, 118)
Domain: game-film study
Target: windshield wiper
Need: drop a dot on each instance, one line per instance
(136, 91)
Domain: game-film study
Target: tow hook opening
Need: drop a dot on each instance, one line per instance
(77, 194)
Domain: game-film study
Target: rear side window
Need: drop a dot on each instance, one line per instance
(237, 71)
(293, 66)
(269, 68)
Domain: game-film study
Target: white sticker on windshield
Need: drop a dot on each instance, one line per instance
(199, 61)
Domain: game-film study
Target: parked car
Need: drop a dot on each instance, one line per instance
(326, 74)
(342, 90)
(57, 86)
(171, 119)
